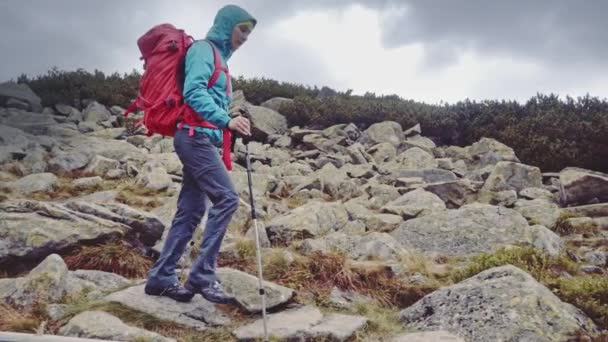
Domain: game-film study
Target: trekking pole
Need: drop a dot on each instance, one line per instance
(257, 243)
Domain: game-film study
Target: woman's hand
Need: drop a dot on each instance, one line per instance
(241, 125)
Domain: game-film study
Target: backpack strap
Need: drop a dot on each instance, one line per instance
(217, 61)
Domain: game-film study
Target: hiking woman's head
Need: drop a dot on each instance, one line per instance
(231, 28)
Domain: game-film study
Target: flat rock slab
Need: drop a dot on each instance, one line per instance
(303, 323)
(428, 336)
(245, 289)
(198, 313)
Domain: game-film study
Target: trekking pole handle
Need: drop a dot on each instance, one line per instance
(248, 161)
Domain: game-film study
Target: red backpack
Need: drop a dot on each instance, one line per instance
(163, 49)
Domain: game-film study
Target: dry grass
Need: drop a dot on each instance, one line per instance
(65, 190)
(114, 256)
(315, 276)
(15, 320)
(564, 227)
(136, 196)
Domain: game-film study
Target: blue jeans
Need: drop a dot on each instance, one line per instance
(204, 176)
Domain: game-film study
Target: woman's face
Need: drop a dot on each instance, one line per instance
(240, 33)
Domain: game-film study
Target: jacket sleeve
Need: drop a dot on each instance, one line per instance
(198, 70)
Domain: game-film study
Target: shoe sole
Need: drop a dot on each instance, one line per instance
(159, 294)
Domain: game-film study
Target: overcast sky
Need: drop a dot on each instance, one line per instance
(423, 50)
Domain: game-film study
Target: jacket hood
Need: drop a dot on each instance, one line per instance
(225, 21)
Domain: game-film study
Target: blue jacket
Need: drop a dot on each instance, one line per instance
(212, 104)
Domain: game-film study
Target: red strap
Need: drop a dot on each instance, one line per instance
(191, 131)
(217, 61)
(226, 147)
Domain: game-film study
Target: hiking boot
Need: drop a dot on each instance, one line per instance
(175, 292)
(214, 293)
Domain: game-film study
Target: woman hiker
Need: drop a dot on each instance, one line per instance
(204, 172)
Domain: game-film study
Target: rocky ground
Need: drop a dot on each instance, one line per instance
(368, 235)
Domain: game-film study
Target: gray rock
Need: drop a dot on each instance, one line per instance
(512, 176)
(383, 152)
(66, 162)
(21, 91)
(87, 183)
(310, 220)
(428, 336)
(265, 122)
(367, 246)
(198, 313)
(427, 175)
(445, 163)
(17, 104)
(415, 203)
(147, 227)
(381, 195)
(245, 289)
(35, 162)
(32, 123)
(102, 325)
(65, 110)
(546, 240)
(303, 323)
(358, 154)
(101, 165)
(154, 177)
(580, 186)
(38, 182)
(31, 230)
(104, 281)
(47, 283)
(539, 211)
(499, 304)
(591, 210)
(536, 193)
(96, 112)
(85, 127)
(416, 158)
(347, 299)
(596, 258)
(486, 145)
(505, 198)
(382, 222)
(383, 132)
(470, 230)
(283, 142)
(275, 103)
(454, 194)
(418, 141)
(413, 131)
(109, 133)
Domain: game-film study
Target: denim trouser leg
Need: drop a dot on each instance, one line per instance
(190, 210)
(206, 175)
(213, 178)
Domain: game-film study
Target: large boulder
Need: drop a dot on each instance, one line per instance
(383, 132)
(38, 182)
(512, 176)
(101, 325)
(266, 122)
(31, 230)
(198, 313)
(580, 186)
(372, 246)
(96, 113)
(415, 203)
(244, 287)
(275, 103)
(20, 91)
(308, 221)
(470, 230)
(489, 151)
(499, 304)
